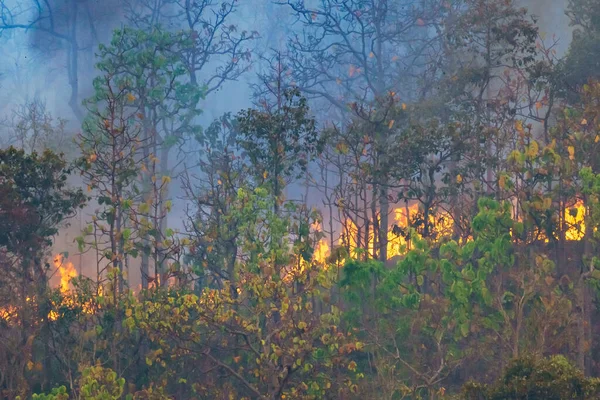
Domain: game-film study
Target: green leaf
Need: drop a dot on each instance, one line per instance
(464, 329)
(420, 280)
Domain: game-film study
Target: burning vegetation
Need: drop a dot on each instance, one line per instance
(399, 234)
(411, 202)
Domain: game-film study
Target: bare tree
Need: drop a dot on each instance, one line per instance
(364, 53)
(63, 30)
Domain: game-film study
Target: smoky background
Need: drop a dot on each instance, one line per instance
(47, 57)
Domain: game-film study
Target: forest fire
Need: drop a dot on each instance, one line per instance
(66, 271)
(441, 223)
(322, 252)
(396, 243)
(575, 221)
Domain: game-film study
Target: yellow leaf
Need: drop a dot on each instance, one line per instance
(571, 150)
(219, 182)
(459, 178)
(533, 149)
(128, 312)
(538, 105)
(597, 139)
(166, 179)
(502, 182)
(130, 97)
(30, 365)
(371, 55)
(391, 124)
(342, 148)
(265, 174)
(352, 366)
(519, 126)
(584, 121)
(403, 106)
(547, 202)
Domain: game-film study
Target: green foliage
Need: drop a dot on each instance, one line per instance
(34, 198)
(489, 267)
(56, 394)
(99, 383)
(264, 333)
(150, 72)
(552, 378)
(280, 142)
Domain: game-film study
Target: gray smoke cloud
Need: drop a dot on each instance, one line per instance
(35, 62)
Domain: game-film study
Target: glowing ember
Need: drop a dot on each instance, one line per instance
(8, 313)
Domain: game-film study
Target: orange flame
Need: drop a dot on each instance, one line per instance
(575, 221)
(66, 270)
(321, 252)
(442, 224)
(67, 273)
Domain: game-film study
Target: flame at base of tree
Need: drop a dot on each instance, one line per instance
(69, 299)
(66, 271)
(397, 235)
(572, 224)
(322, 252)
(575, 222)
(441, 223)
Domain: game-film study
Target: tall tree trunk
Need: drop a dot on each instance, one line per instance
(584, 303)
(384, 209)
(146, 183)
(73, 64)
(161, 270)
